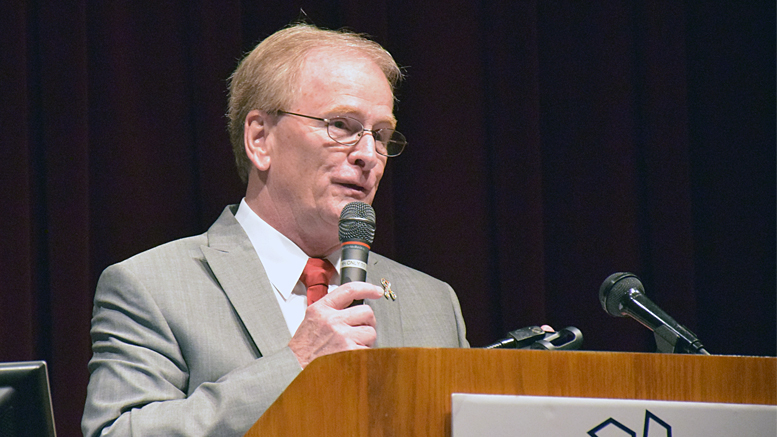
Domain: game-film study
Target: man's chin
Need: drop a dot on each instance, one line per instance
(337, 203)
(348, 199)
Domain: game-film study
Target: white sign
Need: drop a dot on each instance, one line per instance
(538, 416)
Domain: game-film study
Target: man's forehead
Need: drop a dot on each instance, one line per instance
(339, 72)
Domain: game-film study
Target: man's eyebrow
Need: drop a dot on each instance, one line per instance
(351, 111)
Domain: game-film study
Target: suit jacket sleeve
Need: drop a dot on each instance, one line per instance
(140, 382)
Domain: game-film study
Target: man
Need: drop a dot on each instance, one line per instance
(200, 336)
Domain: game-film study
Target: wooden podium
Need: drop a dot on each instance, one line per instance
(407, 391)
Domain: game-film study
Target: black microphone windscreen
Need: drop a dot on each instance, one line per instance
(357, 223)
(615, 288)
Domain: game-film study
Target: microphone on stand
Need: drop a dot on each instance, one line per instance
(622, 294)
(356, 232)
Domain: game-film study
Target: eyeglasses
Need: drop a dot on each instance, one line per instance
(348, 131)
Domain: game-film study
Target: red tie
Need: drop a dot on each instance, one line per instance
(316, 276)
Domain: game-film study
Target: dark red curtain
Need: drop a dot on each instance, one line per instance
(552, 143)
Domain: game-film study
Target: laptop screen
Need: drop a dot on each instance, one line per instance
(25, 400)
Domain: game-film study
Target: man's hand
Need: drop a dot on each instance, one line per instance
(330, 326)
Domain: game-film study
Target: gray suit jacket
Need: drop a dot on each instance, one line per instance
(188, 338)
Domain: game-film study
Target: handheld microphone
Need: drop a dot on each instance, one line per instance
(356, 231)
(622, 294)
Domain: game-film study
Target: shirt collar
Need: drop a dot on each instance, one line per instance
(283, 260)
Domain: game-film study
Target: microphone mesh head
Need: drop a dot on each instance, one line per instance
(615, 288)
(357, 223)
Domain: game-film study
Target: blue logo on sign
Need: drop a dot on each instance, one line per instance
(660, 428)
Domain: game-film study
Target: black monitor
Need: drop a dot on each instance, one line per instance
(25, 400)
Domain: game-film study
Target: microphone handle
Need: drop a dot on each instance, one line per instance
(353, 264)
(670, 335)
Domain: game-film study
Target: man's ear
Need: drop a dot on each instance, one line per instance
(255, 139)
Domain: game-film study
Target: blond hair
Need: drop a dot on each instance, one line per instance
(266, 78)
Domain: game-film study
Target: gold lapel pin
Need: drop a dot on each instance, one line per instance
(387, 292)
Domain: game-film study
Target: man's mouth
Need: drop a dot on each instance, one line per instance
(354, 187)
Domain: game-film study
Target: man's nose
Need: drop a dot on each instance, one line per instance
(364, 153)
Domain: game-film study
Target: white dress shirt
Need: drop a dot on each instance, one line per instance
(283, 262)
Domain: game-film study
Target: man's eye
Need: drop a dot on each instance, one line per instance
(339, 124)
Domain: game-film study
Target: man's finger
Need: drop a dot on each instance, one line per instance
(360, 315)
(363, 335)
(342, 296)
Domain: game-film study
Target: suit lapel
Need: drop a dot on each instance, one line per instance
(234, 263)
(387, 312)
(237, 267)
